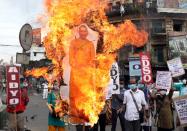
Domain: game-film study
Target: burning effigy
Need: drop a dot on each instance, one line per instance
(89, 64)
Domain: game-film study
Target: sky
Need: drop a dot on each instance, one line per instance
(13, 15)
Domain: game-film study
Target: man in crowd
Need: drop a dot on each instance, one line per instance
(134, 101)
(16, 112)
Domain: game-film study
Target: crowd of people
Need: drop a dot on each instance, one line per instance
(139, 107)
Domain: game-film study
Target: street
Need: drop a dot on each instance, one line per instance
(37, 116)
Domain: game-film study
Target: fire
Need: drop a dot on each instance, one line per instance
(61, 18)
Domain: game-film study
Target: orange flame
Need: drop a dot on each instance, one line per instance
(62, 17)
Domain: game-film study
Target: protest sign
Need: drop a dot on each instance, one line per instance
(13, 85)
(134, 66)
(181, 108)
(146, 68)
(114, 79)
(176, 67)
(163, 80)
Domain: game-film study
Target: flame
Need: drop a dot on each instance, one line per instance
(61, 17)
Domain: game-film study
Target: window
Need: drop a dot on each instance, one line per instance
(178, 25)
(159, 53)
(158, 26)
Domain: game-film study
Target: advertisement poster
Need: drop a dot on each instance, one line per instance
(13, 85)
(181, 108)
(176, 67)
(146, 70)
(163, 80)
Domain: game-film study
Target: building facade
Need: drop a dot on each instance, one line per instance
(166, 23)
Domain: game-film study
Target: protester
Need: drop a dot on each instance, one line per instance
(164, 110)
(16, 115)
(45, 90)
(102, 118)
(54, 121)
(146, 125)
(134, 102)
(117, 103)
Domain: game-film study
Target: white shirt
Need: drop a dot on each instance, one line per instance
(131, 113)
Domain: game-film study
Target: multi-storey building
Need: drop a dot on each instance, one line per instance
(164, 20)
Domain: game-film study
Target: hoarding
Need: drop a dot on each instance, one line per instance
(36, 36)
(178, 48)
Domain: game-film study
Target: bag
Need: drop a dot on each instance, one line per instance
(141, 116)
(141, 113)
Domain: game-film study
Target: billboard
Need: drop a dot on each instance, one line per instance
(179, 4)
(178, 48)
(36, 36)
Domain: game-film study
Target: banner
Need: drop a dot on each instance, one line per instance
(13, 85)
(114, 79)
(134, 66)
(181, 108)
(176, 67)
(146, 68)
(163, 80)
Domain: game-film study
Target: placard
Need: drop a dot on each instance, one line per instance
(176, 67)
(181, 108)
(134, 67)
(114, 79)
(13, 85)
(163, 80)
(146, 68)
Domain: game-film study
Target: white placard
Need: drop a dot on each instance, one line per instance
(114, 79)
(176, 67)
(163, 80)
(181, 108)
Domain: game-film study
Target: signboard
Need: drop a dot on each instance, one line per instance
(26, 37)
(163, 80)
(13, 82)
(114, 79)
(167, 4)
(146, 68)
(183, 4)
(172, 6)
(181, 108)
(22, 58)
(36, 36)
(178, 47)
(134, 67)
(175, 66)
